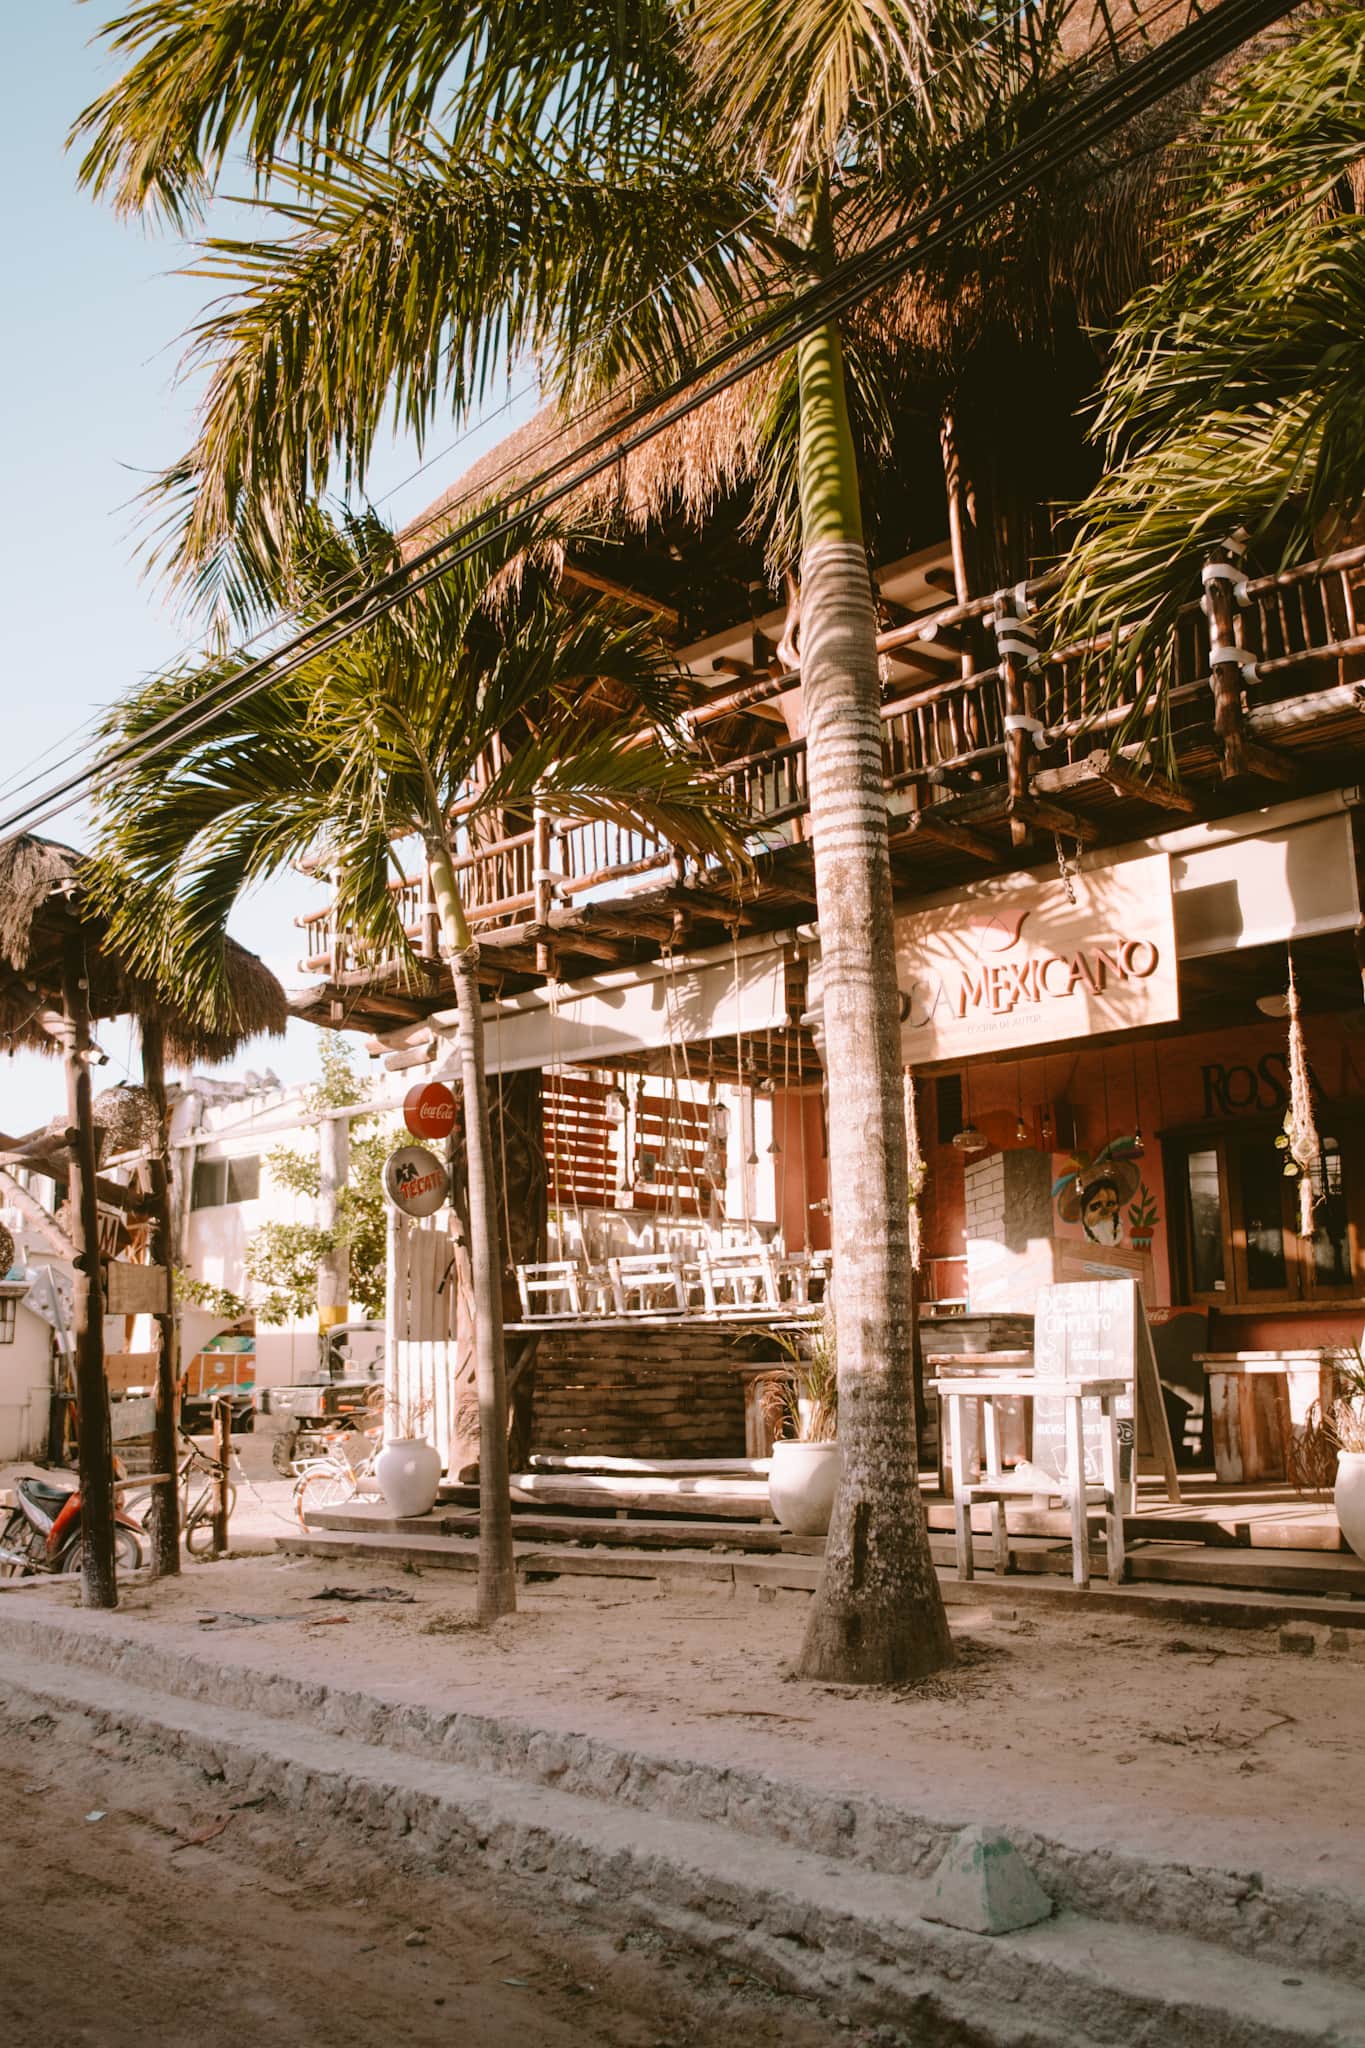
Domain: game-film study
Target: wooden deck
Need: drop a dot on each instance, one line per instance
(643, 1518)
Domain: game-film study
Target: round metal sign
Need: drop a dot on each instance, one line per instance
(415, 1180)
(429, 1110)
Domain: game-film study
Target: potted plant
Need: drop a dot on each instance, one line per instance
(1344, 1425)
(807, 1463)
(408, 1469)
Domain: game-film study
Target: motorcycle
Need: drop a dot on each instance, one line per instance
(43, 1531)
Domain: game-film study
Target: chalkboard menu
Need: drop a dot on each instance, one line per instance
(1097, 1330)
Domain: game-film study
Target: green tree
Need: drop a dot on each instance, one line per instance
(607, 190)
(282, 1259)
(371, 744)
(1235, 393)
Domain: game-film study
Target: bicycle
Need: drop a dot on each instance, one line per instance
(197, 1478)
(338, 1476)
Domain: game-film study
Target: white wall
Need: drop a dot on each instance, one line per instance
(25, 1388)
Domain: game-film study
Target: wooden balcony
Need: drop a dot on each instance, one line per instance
(971, 791)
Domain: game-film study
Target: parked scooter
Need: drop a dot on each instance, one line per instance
(43, 1531)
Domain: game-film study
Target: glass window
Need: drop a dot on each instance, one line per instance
(1206, 1223)
(1331, 1234)
(217, 1181)
(1261, 1184)
(243, 1180)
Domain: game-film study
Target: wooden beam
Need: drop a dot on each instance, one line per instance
(588, 579)
(1264, 762)
(623, 923)
(1125, 777)
(1036, 810)
(948, 832)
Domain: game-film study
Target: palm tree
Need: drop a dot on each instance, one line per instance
(596, 193)
(373, 743)
(1235, 394)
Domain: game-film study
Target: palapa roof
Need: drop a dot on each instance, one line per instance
(44, 899)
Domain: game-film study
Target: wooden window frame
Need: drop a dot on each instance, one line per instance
(1302, 1290)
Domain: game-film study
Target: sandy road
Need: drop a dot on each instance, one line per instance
(125, 1930)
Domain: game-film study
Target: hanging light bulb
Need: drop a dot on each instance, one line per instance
(969, 1138)
(1021, 1130)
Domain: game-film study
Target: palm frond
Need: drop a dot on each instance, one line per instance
(444, 273)
(1235, 394)
(293, 80)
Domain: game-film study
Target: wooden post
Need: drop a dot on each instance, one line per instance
(165, 1507)
(222, 1451)
(1223, 568)
(96, 1458)
(334, 1172)
(1015, 640)
(542, 884)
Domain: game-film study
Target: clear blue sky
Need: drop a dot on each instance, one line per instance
(88, 354)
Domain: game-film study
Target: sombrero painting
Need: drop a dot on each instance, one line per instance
(1094, 1192)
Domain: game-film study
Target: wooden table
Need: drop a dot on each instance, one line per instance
(997, 1486)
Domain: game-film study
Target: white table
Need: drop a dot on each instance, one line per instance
(996, 1486)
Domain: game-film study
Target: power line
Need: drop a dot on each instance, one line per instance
(13, 784)
(1138, 29)
(1056, 143)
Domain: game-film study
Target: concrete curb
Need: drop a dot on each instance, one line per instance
(1232, 1910)
(789, 1915)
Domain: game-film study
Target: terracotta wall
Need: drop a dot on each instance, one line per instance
(1090, 1098)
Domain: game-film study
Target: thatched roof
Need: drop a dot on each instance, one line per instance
(1059, 262)
(43, 901)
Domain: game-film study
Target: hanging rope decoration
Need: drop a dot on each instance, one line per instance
(1300, 1137)
(918, 1169)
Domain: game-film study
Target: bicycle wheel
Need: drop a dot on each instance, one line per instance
(198, 1519)
(324, 1488)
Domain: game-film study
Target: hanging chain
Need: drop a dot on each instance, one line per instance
(1065, 868)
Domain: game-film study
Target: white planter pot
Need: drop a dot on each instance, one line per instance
(802, 1482)
(409, 1473)
(1350, 1499)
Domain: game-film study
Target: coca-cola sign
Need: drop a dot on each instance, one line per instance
(429, 1110)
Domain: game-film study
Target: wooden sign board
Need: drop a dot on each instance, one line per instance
(125, 1370)
(1098, 1329)
(131, 1290)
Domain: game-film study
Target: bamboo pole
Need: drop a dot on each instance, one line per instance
(96, 1453)
(165, 1506)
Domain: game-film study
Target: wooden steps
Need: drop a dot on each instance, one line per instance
(1032, 1586)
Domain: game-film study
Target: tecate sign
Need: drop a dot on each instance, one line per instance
(415, 1180)
(429, 1110)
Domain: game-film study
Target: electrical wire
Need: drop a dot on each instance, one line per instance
(1189, 52)
(1138, 29)
(18, 781)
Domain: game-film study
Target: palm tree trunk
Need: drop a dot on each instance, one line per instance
(497, 1593)
(878, 1615)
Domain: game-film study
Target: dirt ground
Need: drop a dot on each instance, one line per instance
(144, 1909)
(1196, 1744)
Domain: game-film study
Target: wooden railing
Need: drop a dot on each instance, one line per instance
(1303, 628)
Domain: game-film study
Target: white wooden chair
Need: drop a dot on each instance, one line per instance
(739, 1278)
(644, 1274)
(537, 1285)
